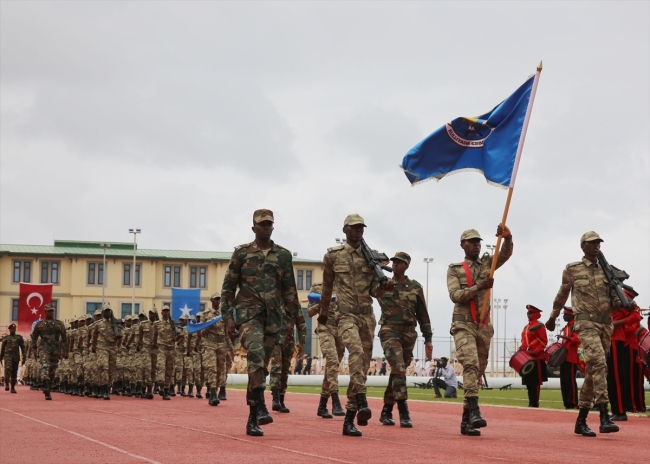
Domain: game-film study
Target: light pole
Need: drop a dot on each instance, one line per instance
(497, 307)
(135, 233)
(340, 241)
(505, 336)
(428, 261)
(104, 246)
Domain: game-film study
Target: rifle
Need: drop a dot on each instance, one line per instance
(174, 327)
(375, 261)
(117, 330)
(615, 277)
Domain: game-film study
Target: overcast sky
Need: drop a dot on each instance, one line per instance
(182, 118)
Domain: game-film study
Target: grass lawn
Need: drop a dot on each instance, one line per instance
(548, 398)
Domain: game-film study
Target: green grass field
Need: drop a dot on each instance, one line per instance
(551, 399)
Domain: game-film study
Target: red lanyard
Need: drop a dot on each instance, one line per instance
(470, 283)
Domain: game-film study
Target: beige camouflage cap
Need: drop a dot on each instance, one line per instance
(165, 308)
(402, 256)
(215, 295)
(107, 305)
(154, 310)
(470, 234)
(261, 215)
(182, 318)
(49, 307)
(590, 237)
(353, 220)
(98, 312)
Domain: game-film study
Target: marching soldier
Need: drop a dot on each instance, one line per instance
(50, 331)
(146, 351)
(213, 346)
(13, 345)
(188, 344)
(534, 341)
(76, 356)
(180, 368)
(106, 340)
(197, 360)
(164, 339)
(467, 283)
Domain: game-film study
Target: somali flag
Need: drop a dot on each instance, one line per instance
(488, 144)
(185, 301)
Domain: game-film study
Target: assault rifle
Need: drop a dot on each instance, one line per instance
(174, 326)
(117, 330)
(376, 262)
(615, 277)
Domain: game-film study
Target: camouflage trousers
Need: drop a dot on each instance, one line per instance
(398, 349)
(596, 341)
(472, 349)
(228, 367)
(197, 364)
(91, 371)
(106, 364)
(214, 364)
(280, 364)
(357, 332)
(333, 349)
(48, 361)
(10, 362)
(180, 375)
(189, 369)
(165, 364)
(259, 346)
(79, 364)
(143, 366)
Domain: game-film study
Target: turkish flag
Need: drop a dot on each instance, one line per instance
(31, 305)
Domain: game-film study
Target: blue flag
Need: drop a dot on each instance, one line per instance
(486, 144)
(314, 297)
(195, 327)
(185, 301)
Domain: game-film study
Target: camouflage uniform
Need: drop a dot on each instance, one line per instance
(214, 350)
(105, 345)
(12, 346)
(52, 335)
(180, 374)
(146, 353)
(75, 355)
(472, 342)
(257, 288)
(196, 347)
(284, 349)
(166, 352)
(91, 358)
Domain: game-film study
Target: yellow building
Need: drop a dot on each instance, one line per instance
(77, 272)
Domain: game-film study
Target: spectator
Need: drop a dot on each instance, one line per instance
(307, 370)
(427, 369)
(382, 370)
(445, 377)
(418, 368)
(373, 366)
(298, 369)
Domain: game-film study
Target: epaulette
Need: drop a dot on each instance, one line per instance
(536, 327)
(245, 245)
(336, 248)
(415, 284)
(456, 264)
(573, 264)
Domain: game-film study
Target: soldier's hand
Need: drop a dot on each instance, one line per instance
(322, 317)
(504, 232)
(486, 283)
(231, 330)
(390, 285)
(428, 350)
(550, 324)
(298, 349)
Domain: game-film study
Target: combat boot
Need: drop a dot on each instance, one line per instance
(106, 396)
(606, 424)
(138, 390)
(322, 408)
(87, 389)
(475, 419)
(198, 391)
(181, 389)
(80, 388)
(252, 428)
(619, 417)
(46, 390)
(156, 389)
(363, 411)
(13, 387)
(190, 393)
(404, 416)
(348, 425)
(6, 386)
(386, 416)
(581, 424)
(276, 400)
(283, 407)
(165, 393)
(222, 393)
(149, 394)
(465, 428)
(263, 416)
(94, 389)
(171, 390)
(214, 400)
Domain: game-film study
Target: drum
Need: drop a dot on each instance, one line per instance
(523, 362)
(555, 354)
(644, 349)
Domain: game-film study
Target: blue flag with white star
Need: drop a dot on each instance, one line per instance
(185, 301)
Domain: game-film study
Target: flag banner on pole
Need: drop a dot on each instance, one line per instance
(487, 144)
(185, 301)
(31, 304)
(314, 297)
(191, 328)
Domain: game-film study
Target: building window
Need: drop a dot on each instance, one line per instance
(22, 269)
(167, 280)
(197, 276)
(177, 276)
(202, 307)
(308, 280)
(299, 280)
(14, 309)
(91, 273)
(95, 274)
(126, 275)
(49, 272)
(126, 309)
(92, 307)
(55, 303)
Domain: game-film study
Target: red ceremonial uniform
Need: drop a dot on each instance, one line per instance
(534, 340)
(571, 344)
(636, 397)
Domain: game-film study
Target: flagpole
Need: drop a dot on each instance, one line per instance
(520, 148)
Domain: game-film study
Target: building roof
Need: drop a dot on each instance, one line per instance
(121, 249)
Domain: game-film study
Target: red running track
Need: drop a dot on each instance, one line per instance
(186, 430)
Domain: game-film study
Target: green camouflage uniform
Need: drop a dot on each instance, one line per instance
(257, 288)
(106, 351)
(472, 342)
(12, 346)
(284, 348)
(75, 355)
(347, 270)
(166, 352)
(146, 356)
(401, 310)
(51, 334)
(591, 298)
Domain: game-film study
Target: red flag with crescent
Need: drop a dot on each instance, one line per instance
(31, 305)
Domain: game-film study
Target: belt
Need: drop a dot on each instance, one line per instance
(600, 318)
(355, 309)
(399, 328)
(466, 318)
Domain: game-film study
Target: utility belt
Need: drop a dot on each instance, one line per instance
(600, 318)
(398, 328)
(355, 309)
(467, 318)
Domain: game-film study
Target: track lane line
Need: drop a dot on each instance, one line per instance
(114, 448)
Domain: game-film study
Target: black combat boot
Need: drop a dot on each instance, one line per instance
(213, 398)
(46, 390)
(275, 406)
(190, 392)
(181, 390)
(263, 416)
(13, 387)
(165, 393)
(252, 428)
(87, 391)
(171, 390)
(404, 416)
(222, 394)
(149, 394)
(476, 421)
(606, 424)
(198, 391)
(581, 424)
(348, 425)
(94, 389)
(106, 394)
(386, 416)
(283, 408)
(156, 389)
(138, 390)
(467, 429)
(363, 411)
(7, 386)
(322, 408)
(80, 388)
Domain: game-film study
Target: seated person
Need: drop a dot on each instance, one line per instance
(445, 377)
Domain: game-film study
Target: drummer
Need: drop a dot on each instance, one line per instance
(534, 340)
(569, 367)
